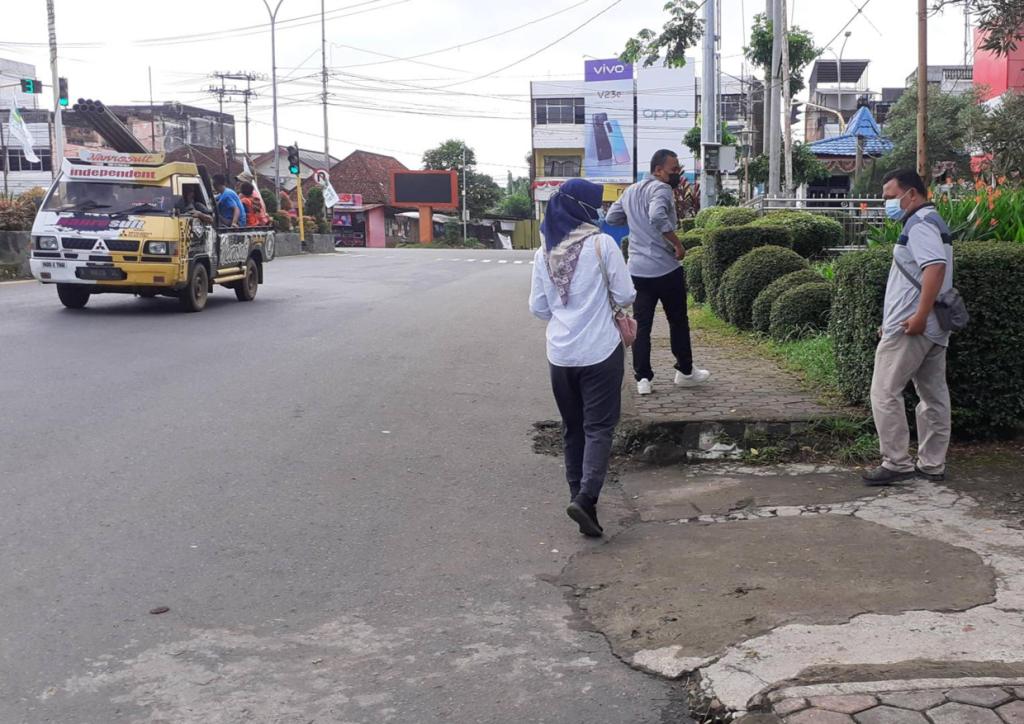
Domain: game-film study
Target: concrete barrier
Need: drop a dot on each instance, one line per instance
(14, 253)
(287, 244)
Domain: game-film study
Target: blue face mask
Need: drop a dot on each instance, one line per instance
(600, 215)
(893, 209)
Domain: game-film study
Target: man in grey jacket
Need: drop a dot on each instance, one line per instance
(649, 208)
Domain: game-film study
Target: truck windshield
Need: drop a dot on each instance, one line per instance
(110, 198)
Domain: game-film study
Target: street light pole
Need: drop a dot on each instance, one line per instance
(323, 62)
(709, 108)
(922, 91)
(57, 157)
(839, 72)
(273, 85)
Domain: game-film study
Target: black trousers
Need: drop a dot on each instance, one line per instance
(590, 402)
(670, 290)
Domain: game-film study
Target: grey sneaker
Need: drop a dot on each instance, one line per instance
(884, 476)
(934, 477)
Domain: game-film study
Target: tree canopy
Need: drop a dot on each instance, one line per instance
(1002, 134)
(1002, 21)
(801, 50)
(806, 167)
(679, 34)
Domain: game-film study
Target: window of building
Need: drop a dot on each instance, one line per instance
(562, 166)
(18, 162)
(547, 111)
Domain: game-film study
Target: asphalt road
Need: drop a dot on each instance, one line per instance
(332, 489)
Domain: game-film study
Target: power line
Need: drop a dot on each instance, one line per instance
(848, 23)
(536, 52)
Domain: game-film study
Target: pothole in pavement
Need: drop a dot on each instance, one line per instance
(726, 559)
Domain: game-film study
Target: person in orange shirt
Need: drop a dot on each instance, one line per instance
(255, 214)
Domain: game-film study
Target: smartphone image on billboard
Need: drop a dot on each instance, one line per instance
(602, 139)
(619, 148)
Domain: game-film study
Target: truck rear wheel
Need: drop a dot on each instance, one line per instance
(246, 289)
(193, 296)
(73, 296)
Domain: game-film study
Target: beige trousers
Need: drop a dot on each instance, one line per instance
(900, 359)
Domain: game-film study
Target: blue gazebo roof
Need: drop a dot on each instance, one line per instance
(862, 125)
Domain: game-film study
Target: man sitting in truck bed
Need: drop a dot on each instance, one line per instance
(230, 211)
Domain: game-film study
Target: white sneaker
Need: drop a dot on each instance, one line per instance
(643, 387)
(697, 377)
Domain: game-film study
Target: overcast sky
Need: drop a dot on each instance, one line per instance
(403, 107)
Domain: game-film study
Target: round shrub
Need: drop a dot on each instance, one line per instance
(988, 397)
(761, 311)
(811, 233)
(801, 312)
(717, 217)
(748, 277)
(693, 238)
(723, 247)
(693, 265)
(687, 224)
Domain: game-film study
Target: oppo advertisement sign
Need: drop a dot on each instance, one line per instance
(608, 153)
(666, 111)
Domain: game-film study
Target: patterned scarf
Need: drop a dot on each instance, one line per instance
(562, 259)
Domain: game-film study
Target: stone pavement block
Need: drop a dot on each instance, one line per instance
(963, 714)
(844, 704)
(1012, 713)
(790, 706)
(987, 696)
(916, 700)
(819, 716)
(890, 715)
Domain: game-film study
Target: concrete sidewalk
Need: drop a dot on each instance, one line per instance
(795, 592)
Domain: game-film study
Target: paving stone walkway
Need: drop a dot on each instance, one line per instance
(744, 387)
(974, 705)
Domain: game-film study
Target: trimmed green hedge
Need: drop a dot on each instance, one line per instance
(801, 312)
(693, 238)
(724, 246)
(985, 360)
(761, 311)
(811, 233)
(693, 265)
(748, 277)
(717, 217)
(687, 224)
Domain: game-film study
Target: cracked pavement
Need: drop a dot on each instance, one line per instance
(757, 579)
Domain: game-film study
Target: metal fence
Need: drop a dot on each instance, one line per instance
(859, 217)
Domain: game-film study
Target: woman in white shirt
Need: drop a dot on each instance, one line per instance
(584, 349)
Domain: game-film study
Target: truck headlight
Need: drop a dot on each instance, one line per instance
(46, 243)
(157, 247)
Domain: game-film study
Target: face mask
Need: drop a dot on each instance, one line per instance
(600, 215)
(674, 179)
(893, 209)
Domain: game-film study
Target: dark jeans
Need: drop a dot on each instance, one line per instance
(590, 401)
(670, 290)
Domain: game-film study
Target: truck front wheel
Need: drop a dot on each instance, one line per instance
(73, 296)
(193, 296)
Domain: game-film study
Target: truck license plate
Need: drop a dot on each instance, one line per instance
(54, 265)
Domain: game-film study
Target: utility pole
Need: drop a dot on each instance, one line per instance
(922, 91)
(465, 209)
(3, 147)
(57, 158)
(152, 114)
(766, 106)
(774, 147)
(273, 85)
(246, 94)
(709, 110)
(323, 61)
(787, 105)
(220, 93)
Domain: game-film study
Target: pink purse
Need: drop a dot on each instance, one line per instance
(625, 323)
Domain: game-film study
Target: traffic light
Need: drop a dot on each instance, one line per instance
(794, 113)
(31, 85)
(62, 92)
(293, 159)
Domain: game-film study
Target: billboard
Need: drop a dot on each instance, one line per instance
(608, 133)
(439, 189)
(666, 110)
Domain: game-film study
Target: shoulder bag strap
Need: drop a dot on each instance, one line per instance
(906, 273)
(604, 273)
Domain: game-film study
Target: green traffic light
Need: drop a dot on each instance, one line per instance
(64, 102)
(294, 170)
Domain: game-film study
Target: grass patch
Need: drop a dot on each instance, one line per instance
(11, 272)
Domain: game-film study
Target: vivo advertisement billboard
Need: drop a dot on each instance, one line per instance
(608, 135)
(666, 111)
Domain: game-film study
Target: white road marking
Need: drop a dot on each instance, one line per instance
(517, 262)
(486, 261)
(503, 261)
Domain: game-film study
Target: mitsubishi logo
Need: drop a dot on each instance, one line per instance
(100, 246)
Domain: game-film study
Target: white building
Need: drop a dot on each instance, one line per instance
(21, 175)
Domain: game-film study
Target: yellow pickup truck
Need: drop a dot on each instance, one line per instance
(129, 223)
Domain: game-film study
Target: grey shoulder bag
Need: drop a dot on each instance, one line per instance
(950, 309)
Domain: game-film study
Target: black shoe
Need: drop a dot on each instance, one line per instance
(884, 476)
(583, 510)
(934, 477)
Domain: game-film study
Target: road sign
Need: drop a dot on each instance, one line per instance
(321, 176)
